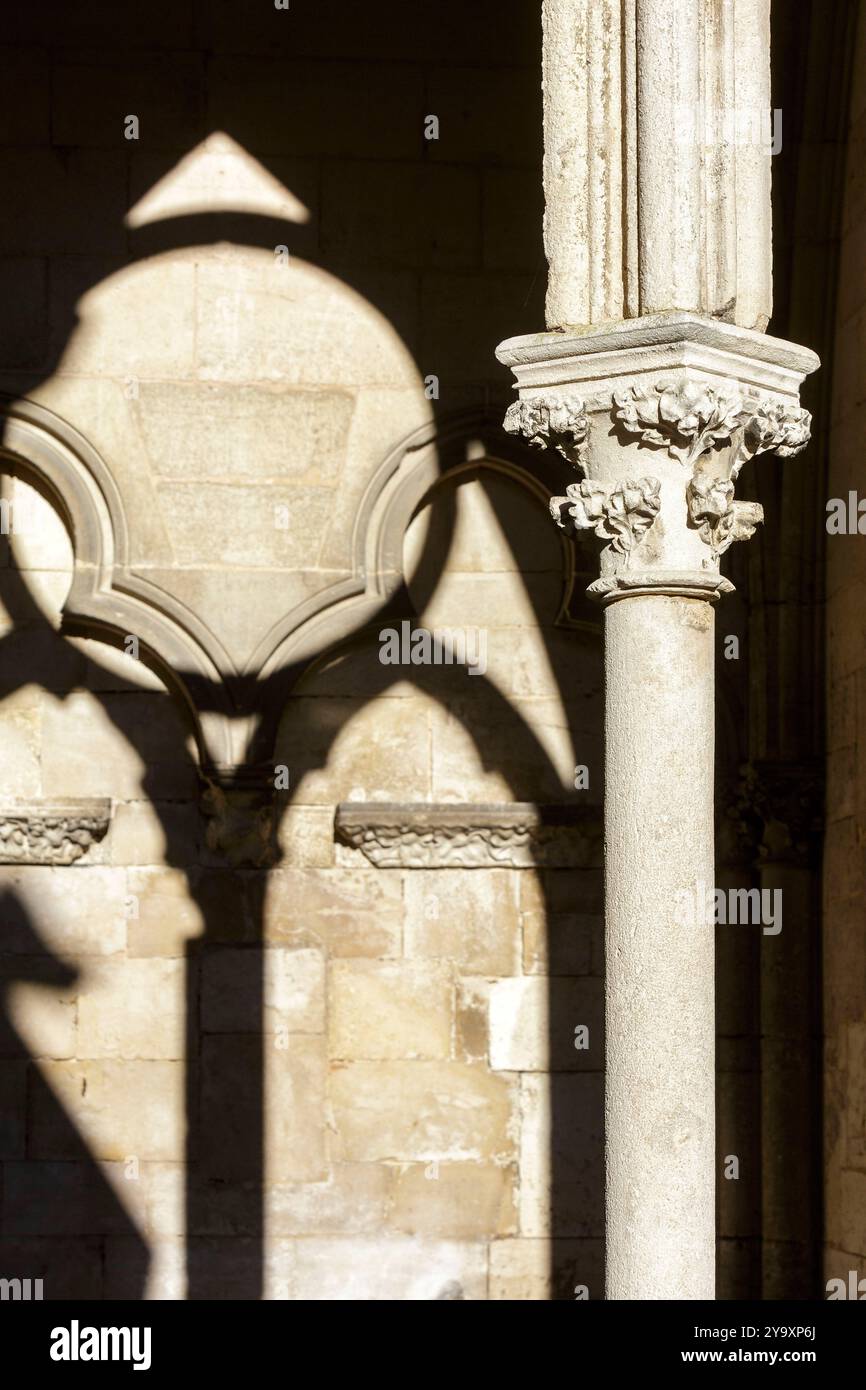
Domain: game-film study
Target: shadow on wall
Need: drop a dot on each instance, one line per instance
(54, 1193)
(464, 310)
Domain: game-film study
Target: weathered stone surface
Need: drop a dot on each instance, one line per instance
(101, 748)
(163, 914)
(293, 981)
(392, 1270)
(198, 431)
(349, 912)
(470, 919)
(423, 1110)
(305, 836)
(155, 1271)
(471, 1019)
(294, 1077)
(533, 1021)
(40, 1007)
(76, 912)
(389, 1009)
(21, 735)
(122, 1108)
(295, 1119)
(132, 1009)
(539, 1270)
(352, 1201)
(463, 1200)
(561, 1178)
(352, 749)
(560, 913)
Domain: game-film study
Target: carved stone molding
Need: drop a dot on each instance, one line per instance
(616, 513)
(519, 835)
(557, 423)
(58, 832)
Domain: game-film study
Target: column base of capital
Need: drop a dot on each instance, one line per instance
(674, 583)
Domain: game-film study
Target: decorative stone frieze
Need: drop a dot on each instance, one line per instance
(52, 833)
(520, 835)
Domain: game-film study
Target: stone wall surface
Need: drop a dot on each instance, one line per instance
(237, 1057)
(844, 959)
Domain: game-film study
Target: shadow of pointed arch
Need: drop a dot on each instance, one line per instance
(396, 494)
(61, 1220)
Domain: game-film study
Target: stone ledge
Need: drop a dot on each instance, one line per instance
(516, 835)
(55, 832)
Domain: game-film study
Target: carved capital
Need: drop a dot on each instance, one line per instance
(681, 397)
(616, 513)
(558, 423)
(56, 833)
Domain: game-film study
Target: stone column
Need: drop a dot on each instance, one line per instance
(656, 382)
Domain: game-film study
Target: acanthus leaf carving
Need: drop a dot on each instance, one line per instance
(520, 835)
(557, 423)
(616, 513)
(52, 834)
(687, 418)
(691, 419)
(784, 430)
(719, 519)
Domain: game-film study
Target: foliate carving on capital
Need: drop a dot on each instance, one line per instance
(557, 423)
(719, 519)
(784, 430)
(686, 418)
(691, 419)
(619, 513)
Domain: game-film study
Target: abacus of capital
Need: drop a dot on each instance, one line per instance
(658, 398)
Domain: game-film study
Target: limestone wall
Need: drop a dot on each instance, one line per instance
(303, 1075)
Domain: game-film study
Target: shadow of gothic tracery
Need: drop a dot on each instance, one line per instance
(225, 1103)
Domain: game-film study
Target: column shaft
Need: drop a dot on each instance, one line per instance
(660, 1027)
